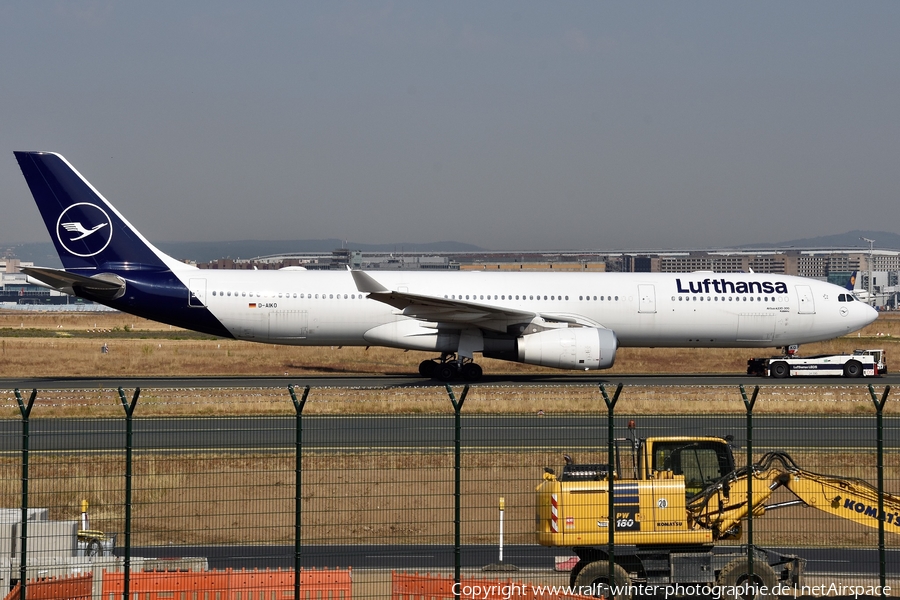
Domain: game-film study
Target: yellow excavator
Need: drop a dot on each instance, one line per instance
(684, 496)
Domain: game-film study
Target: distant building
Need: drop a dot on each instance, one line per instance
(16, 291)
(569, 267)
(339, 259)
(832, 264)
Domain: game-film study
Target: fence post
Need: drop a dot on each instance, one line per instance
(748, 404)
(457, 409)
(610, 451)
(879, 427)
(298, 482)
(129, 445)
(25, 409)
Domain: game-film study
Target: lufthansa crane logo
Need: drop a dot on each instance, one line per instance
(84, 229)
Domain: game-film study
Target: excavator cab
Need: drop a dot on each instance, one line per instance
(701, 461)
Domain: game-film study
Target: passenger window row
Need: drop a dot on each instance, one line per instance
(554, 297)
(730, 298)
(289, 295)
(520, 297)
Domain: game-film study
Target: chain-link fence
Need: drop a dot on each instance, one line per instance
(495, 483)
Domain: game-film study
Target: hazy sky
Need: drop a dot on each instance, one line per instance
(510, 125)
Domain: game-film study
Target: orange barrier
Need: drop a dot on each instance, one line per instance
(229, 585)
(436, 587)
(75, 587)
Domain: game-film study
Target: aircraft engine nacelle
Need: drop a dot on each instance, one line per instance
(583, 348)
(412, 335)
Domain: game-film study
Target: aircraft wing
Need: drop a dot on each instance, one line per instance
(104, 286)
(457, 312)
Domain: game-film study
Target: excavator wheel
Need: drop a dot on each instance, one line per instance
(593, 579)
(736, 573)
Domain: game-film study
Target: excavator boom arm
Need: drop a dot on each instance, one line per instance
(723, 505)
(851, 499)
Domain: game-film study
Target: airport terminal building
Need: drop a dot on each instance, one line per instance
(836, 265)
(833, 265)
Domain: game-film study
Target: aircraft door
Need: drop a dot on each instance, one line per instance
(647, 295)
(805, 296)
(197, 292)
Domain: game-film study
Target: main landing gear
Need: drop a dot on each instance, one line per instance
(449, 367)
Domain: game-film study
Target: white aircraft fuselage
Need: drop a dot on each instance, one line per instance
(643, 309)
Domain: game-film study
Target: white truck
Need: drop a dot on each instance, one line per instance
(861, 363)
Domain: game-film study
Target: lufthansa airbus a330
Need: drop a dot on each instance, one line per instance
(562, 320)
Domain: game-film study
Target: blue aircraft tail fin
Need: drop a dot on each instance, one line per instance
(851, 283)
(90, 235)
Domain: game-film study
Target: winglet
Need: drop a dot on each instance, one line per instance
(365, 283)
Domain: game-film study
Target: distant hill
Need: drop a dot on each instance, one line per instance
(44, 254)
(39, 253)
(851, 239)
(207, 251)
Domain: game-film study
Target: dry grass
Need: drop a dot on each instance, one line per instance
(850, 400)
(358, 498)
(70, 347)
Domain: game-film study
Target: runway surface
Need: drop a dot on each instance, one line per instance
(859, 562)
(386, 381)
(565, 432)
(435, 433)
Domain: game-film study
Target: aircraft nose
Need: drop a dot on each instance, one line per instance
(869, 315)
(862, 314)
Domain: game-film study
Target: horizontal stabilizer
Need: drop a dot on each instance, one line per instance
(104, 286)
